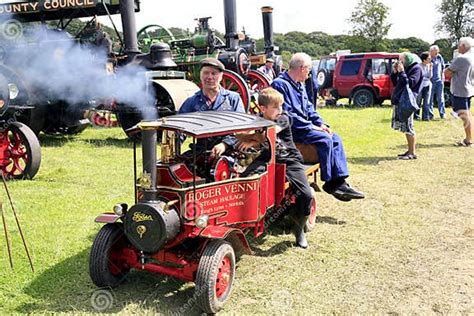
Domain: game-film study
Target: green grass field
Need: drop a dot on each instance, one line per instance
(407, 248)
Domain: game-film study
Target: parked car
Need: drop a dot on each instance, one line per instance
(364, 78)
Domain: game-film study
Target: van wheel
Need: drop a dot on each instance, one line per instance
(324, 78)
(363, 98)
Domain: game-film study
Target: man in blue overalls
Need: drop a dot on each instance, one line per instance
(212, 97)
(309, 128)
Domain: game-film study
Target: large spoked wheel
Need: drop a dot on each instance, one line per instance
(23, 152)
(151, 34)
(215, 276)
(363, 97)
(107, 264)
(257, 81)
(234, 82)
(311, 222)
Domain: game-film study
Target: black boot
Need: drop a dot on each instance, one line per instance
(300, 222)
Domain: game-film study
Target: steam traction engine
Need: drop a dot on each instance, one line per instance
(50, 113)
(192, 212)
(188, 52)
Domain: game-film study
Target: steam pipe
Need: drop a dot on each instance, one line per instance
(127, 12)
(230, 19)
(149, 162)
(267, 17)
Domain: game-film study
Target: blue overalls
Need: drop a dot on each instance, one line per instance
(332, 157)
(226, 101)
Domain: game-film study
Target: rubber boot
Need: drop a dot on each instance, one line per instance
(300, 222)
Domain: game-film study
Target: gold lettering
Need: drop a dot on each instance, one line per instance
(140, 217)
(34, 5)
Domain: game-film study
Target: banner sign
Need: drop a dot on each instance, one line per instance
(20, 7)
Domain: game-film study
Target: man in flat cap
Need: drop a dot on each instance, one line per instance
(268, 69)
(213, 97)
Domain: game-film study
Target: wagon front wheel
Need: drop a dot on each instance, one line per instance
(215, 276)
(107, 263)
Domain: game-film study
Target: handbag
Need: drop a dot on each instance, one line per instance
(407, 104)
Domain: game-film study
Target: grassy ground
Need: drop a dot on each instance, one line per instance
(407, 248)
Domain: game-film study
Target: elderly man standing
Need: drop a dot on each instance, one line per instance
(212, 97)
(308, 127)
(437, 80)
(462, 86)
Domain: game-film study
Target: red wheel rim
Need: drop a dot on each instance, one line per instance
(232, 83)
(257, 81)
(222, 170)
(17, 154)
(224, 276)
(117, 259)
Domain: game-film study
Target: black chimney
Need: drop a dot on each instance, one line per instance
(267, 16)
(149, 162)
(230, 18)
(127, 12)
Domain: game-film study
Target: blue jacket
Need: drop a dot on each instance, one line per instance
(226, 101)
(296, 103)
(413, 75)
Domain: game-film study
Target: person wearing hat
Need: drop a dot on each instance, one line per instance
(213, 97)
(268, 68)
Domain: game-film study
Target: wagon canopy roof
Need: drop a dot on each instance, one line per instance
(206, 124)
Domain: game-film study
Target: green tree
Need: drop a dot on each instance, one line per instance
(411, 44)
(369, 21)
(457, 18)
(445, 48)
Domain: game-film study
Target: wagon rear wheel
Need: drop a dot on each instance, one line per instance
(107, 265)
(215, 276)
(311, 221)
(23, 152)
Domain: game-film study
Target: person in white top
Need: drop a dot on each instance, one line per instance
(462, 85)
(268, 69)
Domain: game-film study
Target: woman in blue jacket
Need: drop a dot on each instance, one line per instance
(406, 71)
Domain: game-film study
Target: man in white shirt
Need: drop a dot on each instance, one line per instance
(268, 69)
(462, 85)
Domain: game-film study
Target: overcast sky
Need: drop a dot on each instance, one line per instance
(408, 17)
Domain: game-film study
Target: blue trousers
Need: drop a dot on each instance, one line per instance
(437, 94)
(332, 158)
(424, 98)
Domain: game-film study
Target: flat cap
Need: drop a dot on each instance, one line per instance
(269, 60)
(212, 62)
